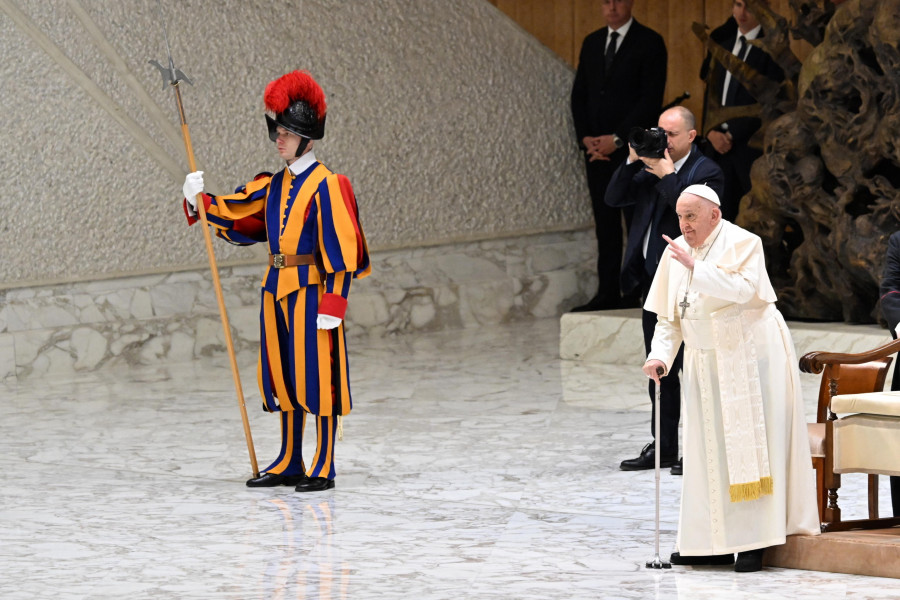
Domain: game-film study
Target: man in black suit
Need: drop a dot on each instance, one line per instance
(651, 187)
(619, 84)
(890, 308)
(728, 141)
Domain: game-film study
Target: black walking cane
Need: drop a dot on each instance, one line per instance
(656, 563)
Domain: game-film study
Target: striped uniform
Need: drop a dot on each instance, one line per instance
(301, 369)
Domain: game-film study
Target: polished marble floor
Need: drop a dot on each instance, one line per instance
(475, 465)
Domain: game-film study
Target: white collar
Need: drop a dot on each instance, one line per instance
(680, 162)
(710, 240)
(303, 163)
(750, 35)
(621, 30)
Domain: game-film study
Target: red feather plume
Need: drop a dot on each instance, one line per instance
(294, 86)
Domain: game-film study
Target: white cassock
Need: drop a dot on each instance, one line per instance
(748, 477)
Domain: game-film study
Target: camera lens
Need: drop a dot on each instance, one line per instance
(648, 143)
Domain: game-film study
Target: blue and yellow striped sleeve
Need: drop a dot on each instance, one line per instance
(341, 241)
(342, 244)
(239, 218)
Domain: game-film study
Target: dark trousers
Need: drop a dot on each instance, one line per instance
(608, 227)
(670, 393)
(895, 481)
(895, 495)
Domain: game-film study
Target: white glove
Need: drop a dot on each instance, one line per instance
(193, 185)
(327, 322)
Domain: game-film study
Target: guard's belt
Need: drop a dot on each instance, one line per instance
(280, 261)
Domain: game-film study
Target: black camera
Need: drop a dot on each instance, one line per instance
(648, 143)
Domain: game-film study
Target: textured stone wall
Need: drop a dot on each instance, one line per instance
(452, 123)
(173, 317)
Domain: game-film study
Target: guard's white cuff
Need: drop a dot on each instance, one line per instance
(327, 322)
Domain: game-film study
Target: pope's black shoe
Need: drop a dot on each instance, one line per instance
(749, 561)
(315, 484)
(696, 561)
(646, 460)
(275, 479)
(677, 468)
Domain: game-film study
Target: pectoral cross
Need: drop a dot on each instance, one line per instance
(684, 304)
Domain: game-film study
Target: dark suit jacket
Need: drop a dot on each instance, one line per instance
(630, 94)
(654, 202)
(890, 293)
(890, 308)
(741, 129)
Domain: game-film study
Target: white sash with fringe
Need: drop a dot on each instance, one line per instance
(743, 420)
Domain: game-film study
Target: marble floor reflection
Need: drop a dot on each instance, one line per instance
(476, 464)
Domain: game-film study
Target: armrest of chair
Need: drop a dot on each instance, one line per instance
(848, 373)
(815, 361)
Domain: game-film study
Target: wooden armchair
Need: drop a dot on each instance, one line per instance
(843, 374)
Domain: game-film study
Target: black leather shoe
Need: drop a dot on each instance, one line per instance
(646, 460)
(749, 561)
(275, 479)
(315, 484)
(701, 561)
(677, 468)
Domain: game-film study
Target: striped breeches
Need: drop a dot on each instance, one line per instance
(301, 367)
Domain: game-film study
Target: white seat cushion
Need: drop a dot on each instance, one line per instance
(874, 403)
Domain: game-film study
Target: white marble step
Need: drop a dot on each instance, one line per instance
(614, 337)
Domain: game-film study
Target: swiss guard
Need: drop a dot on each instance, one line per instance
(309, 218)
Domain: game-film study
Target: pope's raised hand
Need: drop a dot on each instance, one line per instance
(679, 253)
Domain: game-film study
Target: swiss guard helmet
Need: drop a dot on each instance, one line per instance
(298, 104)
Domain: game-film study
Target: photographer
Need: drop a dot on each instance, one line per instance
(661, 163)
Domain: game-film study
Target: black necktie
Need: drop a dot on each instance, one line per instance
(733, 84)
(742, 49)
(611, 50)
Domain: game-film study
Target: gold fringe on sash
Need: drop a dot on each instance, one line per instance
(743, 492)
(340, 429)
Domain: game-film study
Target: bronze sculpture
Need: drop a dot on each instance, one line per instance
(826, 192)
